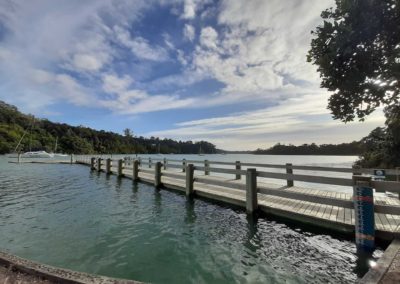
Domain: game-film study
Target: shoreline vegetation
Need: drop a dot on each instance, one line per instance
(42, 135)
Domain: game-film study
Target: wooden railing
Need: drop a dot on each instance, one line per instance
(157, 168)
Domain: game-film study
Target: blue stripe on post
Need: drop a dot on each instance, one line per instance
(364, 217)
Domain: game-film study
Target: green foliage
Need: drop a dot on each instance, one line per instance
(42, 135)
(353, 148)
(383, 143)
(357, 51)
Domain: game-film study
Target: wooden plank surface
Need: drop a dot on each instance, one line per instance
(321, 212)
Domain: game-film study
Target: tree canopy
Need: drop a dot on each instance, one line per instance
(42, 135)
(357, 51)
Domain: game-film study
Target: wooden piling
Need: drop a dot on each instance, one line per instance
(189, 180)
(149, 162)
(157, 174)
(289, 171)
(165, 163)
(19, 158)
(251, 191)
(92, 162)
(119, 173)
(238, 167)
(206, 167)
(363, 199)
(183, 165)
(135, 174)
(108, 166)
(99, 164)
(72, 159)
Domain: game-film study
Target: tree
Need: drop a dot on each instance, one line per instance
(357, 51)
(128, 132)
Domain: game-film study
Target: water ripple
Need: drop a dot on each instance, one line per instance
(67, 216)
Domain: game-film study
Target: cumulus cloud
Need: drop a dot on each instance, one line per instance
(98, 54)
(189, 32)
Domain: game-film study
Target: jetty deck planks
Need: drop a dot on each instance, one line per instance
(232, 191)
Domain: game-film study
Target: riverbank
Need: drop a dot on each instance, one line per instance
(14, 269)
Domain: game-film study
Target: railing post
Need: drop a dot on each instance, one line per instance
(149, 162)
(119, 173)
(165, 163)
(289, 171)
(189, 180)
(183, 165)
(251, 191)
(99, 164)
(206, 167)
(238, 167)
(92, 162)
(108, 166)
(157, 174)
(357, 171)
(363, 199)
(135, 173)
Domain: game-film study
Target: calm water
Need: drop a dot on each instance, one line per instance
(67, 216)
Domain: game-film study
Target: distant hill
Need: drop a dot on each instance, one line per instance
(41, 134)
(351, 149)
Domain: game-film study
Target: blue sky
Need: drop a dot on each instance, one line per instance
(230, 72)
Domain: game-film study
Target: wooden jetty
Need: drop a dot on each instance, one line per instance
(327, 209)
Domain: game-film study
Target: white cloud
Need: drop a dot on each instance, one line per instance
(88, 62)
(114, 84)
(189, 9)
(140, 46)
(296, 120)
(189, 32)
(209, 37)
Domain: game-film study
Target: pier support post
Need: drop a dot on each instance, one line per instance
(19, 158)
(363, 199)
(183, 165)
(238, 167)
(251, 191)
(165, 163)
(157, 174)
(92, 162)
(149, 162)
(289, 171)
(119, 172)
(357, 171)
(140, 161)
(189, 180)
(99, 164)
(206, 167)
(135, 174)
(72, 159)
(108, 166)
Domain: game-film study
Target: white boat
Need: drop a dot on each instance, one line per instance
(37, 154)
